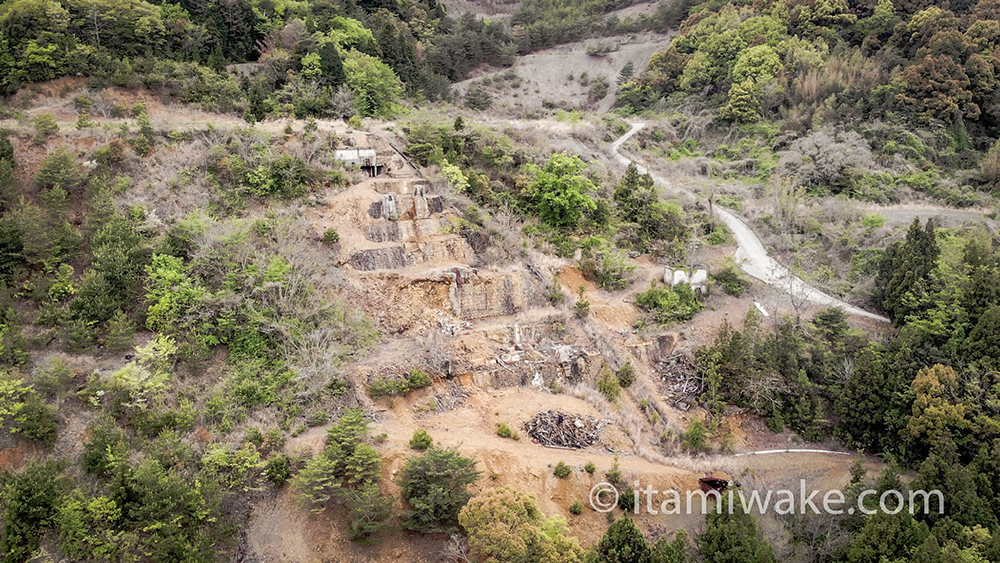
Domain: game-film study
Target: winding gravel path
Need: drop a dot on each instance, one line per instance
(751, 253)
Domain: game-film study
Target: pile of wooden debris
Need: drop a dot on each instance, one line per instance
(679, 381)
(563, 430)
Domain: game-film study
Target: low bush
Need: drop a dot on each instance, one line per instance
(731, 281)
(504, 431)
(331, 236)
(562, 470)
(421, 440)
(626, 375)
(669, 304)
(384, 387)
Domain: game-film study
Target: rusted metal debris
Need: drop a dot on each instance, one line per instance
(563, 430)
(713, 484)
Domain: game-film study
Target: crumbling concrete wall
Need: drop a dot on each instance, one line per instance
(515, 334)
(653, 350)
(383, 232)
(489, 295)
(391, 257)
(452, 249)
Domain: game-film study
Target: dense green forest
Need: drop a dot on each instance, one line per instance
(318, 58)
(899, 90)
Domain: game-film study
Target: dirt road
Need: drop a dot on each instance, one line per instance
(751, 253)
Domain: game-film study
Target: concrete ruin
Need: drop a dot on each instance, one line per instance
(475, 296)
(698, 279)
(365, 159)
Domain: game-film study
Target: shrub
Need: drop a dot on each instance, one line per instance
(731, 281)
(626, 375)
(582, 309)
(370, 510)
(278, 469)
(609, 268)
(330, 236)
(669, 304)
(31, 500)
(504, 431)
(417, 379)
(717, 237)
(626, 500)
(614, 475)
(318, 418)
(121, 331)
(873, 221)
(556, 294)
(421, 440)
(59, 170)
(598, 90)
(383, 387)
(45, 126)
(576, 508)
(590, 467)
(608, 384)
(562, 470)
(106, 445)
(83, 121)
(506, 526)
(695, 438)
(477, 98)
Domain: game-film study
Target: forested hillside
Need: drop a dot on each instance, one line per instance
(916, 81)
(315, 58)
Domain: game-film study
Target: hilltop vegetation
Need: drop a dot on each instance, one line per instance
(916, 82)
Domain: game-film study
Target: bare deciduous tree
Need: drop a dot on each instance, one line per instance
(827, 159)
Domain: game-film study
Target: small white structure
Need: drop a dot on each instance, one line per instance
(357, 157)
(366, 159)
(680, 276)
(698, 280)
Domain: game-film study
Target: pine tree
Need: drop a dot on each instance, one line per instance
(624, 543)
(733, 537)
(626, 73)
(434, 486)
(478, 98)
(120, 332)
(904, 277)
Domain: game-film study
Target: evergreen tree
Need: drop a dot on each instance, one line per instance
(671, 551)
(904, 277)
(478, 98)
(624, 543)
(434, 485)
(626, 73)
(734, 538)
